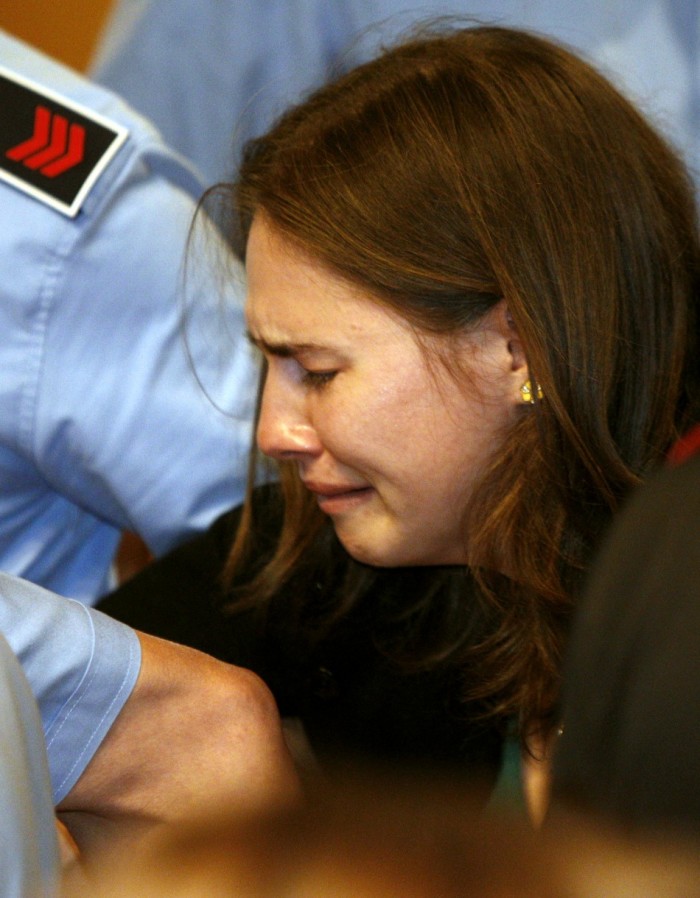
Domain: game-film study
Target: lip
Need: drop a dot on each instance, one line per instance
(336, 498)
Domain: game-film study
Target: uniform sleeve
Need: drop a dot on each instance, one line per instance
(81, 667)
(235, 70)
(145, 394)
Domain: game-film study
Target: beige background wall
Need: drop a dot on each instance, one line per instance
(66, 29)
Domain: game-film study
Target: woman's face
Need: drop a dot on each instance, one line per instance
(389, 444)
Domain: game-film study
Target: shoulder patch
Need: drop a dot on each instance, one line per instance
(50, 147)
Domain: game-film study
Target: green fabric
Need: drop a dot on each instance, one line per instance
(508, 792)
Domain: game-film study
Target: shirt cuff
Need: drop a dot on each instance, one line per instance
(81, 666)
(93, 705)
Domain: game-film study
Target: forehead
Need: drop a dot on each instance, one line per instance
(292, 297)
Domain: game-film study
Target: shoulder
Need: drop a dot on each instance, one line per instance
(66, 142)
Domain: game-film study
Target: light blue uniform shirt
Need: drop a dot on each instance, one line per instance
(77, 667)
(212, 73)
(104, 425)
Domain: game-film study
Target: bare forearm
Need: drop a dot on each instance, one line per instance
(193, 729)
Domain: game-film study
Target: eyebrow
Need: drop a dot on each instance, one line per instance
(283, 350)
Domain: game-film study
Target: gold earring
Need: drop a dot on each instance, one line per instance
(527, 395)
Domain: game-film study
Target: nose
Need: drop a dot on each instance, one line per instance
(284, 431)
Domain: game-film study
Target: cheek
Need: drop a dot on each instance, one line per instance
(461, 436)
(358, 423)
(336, 420)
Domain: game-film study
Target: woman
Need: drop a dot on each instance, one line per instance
(473, 277)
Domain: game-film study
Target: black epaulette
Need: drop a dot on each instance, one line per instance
(50, 147)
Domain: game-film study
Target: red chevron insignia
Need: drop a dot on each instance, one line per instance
(55, 146)
(52, 149)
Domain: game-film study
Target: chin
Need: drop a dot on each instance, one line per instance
(383, 557)
(366, 554)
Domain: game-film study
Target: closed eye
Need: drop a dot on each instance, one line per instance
(316, 380)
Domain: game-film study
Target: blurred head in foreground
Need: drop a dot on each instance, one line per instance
(376, 838)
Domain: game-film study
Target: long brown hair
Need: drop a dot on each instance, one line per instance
(470, 165)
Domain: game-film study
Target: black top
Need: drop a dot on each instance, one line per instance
(355, 700)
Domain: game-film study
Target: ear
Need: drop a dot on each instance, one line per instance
(515, 365)
(515, 344)
(502, 355)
